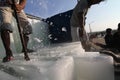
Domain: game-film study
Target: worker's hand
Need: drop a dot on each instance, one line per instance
(19, 8)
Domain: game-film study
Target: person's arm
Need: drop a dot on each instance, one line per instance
(21, 5)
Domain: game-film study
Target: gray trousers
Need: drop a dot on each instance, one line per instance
(6, 14)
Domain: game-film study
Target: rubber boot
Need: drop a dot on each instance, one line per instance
(5, 36)
(26, 39)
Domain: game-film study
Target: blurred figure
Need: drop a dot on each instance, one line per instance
(116, 39)
(78, 22)
(109, 38)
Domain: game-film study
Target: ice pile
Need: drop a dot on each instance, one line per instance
(87, 65)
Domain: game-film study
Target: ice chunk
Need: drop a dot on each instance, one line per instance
(43, 68)
(62, 70)
(94, 68)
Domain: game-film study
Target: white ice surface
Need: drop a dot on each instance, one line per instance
(41, 68)
(94, 68)
(66, 61)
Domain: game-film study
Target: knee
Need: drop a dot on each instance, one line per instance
(6, 27)
(27, 29)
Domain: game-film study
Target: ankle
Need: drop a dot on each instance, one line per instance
(9, 53)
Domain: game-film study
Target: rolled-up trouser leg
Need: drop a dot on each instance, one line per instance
(26, 29)
(25, 24)
(5, 19)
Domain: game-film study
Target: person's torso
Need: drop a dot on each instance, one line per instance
(116, 38)
(108, 38)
